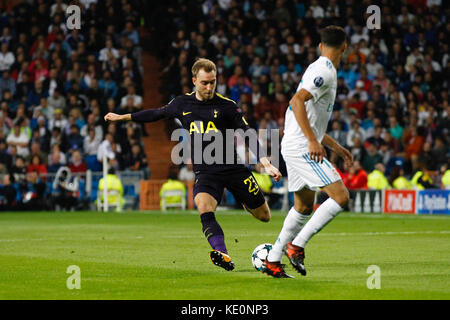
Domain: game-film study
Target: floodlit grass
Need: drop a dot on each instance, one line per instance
(154, 255)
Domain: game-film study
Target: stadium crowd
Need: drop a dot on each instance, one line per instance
(56, 85)
(392, 107)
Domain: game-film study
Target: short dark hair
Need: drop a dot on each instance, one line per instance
(333, 36)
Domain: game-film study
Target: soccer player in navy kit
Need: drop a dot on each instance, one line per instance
(200, 112)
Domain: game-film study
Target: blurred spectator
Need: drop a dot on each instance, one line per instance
(36, 165)
(445, 182)
(240, 88)
(56, 158)
(77, 165)
(58, 120)
(8, 193)
(137, 99)
(36, 93)
(105, 148)
(34, 197)
(74, 139)
(395, 128)
(337, 133)
(397, 179)
(108, 53)
(7, 84)
(422, 178)
(373, 66)
(356, 132)
(6, 57)
(413, 146)
(56, 102)
(376, 179)
(5, 157)
(348, 75)
(19, 170)
(108, 85)
(65, 190)
(113, 183)
(172, 184)
(37, 151)
(377, 138)
(136, 161)
(19, 139)
(371, 158)
(440, 152)
(356, 177)
(92, 124)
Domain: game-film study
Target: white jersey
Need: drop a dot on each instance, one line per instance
(320, 80)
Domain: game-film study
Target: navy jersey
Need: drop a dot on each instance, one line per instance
(202, 118)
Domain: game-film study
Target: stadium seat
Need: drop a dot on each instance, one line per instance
(173, 193)
(116, 205)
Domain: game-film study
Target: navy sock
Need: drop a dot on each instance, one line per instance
(213, 232)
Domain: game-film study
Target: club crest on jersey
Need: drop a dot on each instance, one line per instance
(318, 82)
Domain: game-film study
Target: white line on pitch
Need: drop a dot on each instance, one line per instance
(387, 233)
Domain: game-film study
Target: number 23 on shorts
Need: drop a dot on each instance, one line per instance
(252, 185)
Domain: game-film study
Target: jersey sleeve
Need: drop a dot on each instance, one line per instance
(169, 111)
(316, 81)
(237, 118)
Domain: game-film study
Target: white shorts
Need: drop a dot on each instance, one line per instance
(303, 172)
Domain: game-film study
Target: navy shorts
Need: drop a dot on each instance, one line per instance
(241, 183)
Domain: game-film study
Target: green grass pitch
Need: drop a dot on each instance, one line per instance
(154, 255)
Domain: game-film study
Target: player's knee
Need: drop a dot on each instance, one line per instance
(266, 216)
(304, 208)
(205, 207)
(263, 214)
(343, 198)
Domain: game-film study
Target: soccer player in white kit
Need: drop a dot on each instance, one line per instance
(303, 150)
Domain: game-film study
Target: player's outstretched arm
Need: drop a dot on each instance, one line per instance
(340, 150)
(316, 150)
(111, 116)
(148, 115)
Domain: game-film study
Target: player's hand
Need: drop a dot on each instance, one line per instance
(274, 172)
(111, 116)
(346, 155)
(316, 151)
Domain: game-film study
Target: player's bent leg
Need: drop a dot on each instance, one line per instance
(261, 213)
(327, 211)
(338, 192)
(206, 205)
(293, 223)
(304, 201)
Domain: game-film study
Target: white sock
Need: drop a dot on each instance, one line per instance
(324, 214)
(292, 225)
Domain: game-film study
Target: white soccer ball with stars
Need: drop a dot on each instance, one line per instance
(260, 254)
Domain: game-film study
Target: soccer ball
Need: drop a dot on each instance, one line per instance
(260, 254)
